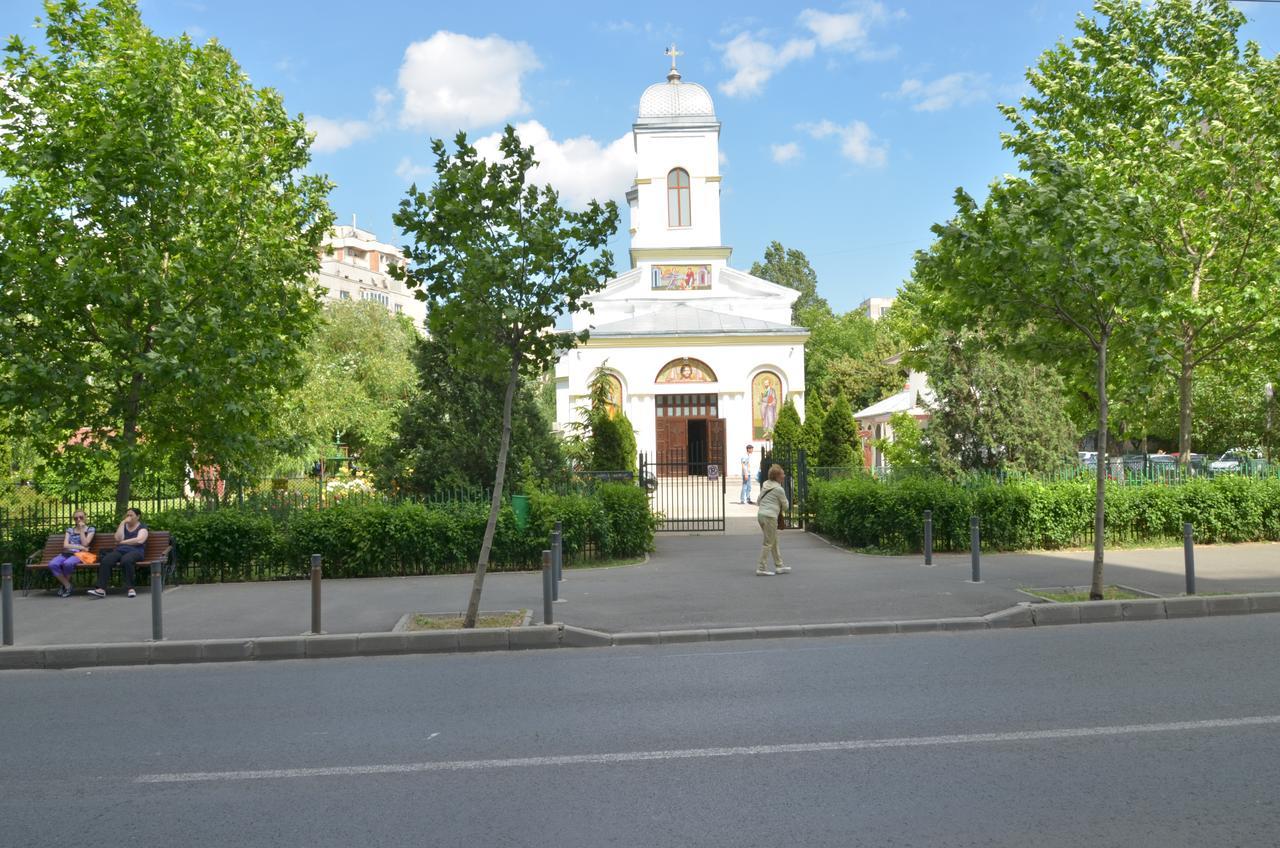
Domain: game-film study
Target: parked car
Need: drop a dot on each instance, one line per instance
(1235, 461)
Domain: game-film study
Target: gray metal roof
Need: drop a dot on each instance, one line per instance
(685, 320)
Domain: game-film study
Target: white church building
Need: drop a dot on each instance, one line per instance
(701, 356)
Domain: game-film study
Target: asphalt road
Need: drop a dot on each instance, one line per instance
(1164, 733)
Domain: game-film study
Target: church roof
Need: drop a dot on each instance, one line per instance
(676, 102)
(685, 320)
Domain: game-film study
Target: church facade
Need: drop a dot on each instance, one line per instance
(700, 356)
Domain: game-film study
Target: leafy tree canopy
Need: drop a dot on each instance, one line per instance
(789, 267)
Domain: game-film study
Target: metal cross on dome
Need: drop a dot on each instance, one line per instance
(671, 51)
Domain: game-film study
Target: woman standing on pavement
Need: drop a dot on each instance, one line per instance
(772, 503)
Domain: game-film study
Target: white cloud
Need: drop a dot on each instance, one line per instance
(381, 103)
(453, 81)
(334, 135)
(858, 143)
(409, 172)
(754, 60)
(784, 153)
(959, 89)
(581, 168)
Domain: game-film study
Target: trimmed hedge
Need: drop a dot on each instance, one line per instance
(372, 539)
(1026, 514)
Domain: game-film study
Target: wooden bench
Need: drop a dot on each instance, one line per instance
(158, 551)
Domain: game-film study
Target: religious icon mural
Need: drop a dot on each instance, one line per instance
(680, 277)
(686, 371)
(766, 400)
(613, 404)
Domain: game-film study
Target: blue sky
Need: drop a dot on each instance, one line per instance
(846, 127)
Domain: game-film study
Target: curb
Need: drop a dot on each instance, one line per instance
(543, 636)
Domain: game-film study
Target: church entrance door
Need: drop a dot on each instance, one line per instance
(689, 463)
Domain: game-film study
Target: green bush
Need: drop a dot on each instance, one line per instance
(1028, 514)
(372, 539)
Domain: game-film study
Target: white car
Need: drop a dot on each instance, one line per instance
(1231, 462)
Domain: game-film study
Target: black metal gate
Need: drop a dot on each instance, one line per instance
(686, 496)
(796, 482)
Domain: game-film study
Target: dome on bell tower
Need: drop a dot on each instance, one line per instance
(676, 102)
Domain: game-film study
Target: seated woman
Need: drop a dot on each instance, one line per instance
(77, 539)
(131, 543)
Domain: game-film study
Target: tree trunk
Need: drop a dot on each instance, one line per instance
(1184, 403)
(129, 437)
(1100, 500)
(495, 503)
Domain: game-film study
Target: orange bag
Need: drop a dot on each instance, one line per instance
(87, 558)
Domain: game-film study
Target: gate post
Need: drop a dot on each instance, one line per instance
(802, 487)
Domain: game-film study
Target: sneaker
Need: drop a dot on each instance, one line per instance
(761, 572)
(783, 569)
(131, 593)
(96, 593)
(62, 591)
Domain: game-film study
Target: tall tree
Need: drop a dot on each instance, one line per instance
(498, 260)
(839, 435)
(1050, 262)
(992, 412)
(156, 242)
(360, 378)
(789, 267)
(1160, 99)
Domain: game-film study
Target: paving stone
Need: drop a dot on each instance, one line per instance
(70, 656)
(431, 641)
(1049, 614)
(678, 637)
(537, 636)
(962, 624)
(1019, 616)
(11, 658)
(333, 645)
(1185, 607)
(279, 648)
(826, 629)
(227, 650)
(646, 638)
(580, 637)
(488, 639)
(124, 653)
(872, 628)
(1144, 610)
(1228, 605)
(180, 651)
(920, 625)
(728, 634)
(371, 644)
(1265, 602)
(1092, 612)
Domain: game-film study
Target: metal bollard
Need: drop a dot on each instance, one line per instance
(555, 567)
(547, 581)
(558, 553)
(157, 601)
(975, 549)
(1189, 557)
(315, 593)
(6, 601)
(928, 537)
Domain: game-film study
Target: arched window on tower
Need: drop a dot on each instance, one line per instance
(678, 198)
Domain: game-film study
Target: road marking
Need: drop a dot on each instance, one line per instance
(709, 753)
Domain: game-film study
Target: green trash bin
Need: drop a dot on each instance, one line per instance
(520, 506)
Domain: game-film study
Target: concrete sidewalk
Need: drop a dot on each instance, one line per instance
(695, 581)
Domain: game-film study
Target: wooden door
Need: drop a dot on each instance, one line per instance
(716, 439)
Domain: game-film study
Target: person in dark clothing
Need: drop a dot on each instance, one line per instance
(131, 543)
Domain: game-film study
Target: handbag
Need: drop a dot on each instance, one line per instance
(87, 558)
(782, 521)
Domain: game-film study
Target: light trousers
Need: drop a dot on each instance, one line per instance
(769, 527)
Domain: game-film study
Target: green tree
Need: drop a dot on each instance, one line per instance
(360, 378)
(498, 261)
(811, 430)
(156, 243)
(839, 435)
(789, 267)
(907, 451)
(448, 435)
(1161, 100)
(852, 355)
(611, 439)
(787, 432)
(1049, 262)
(992, 412)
